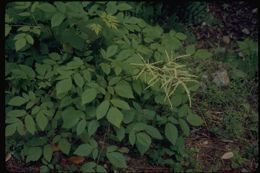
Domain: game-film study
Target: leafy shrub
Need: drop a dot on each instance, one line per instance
(72, 86)
(245, 61)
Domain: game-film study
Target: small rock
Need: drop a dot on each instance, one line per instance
(205, 142)
(227, 155)
(221, 78)
(240, 54)
(203, 87)
(246, 31)
(254, 10)
(254, 21)
(204, 76)
(226, 39)
(244, 170)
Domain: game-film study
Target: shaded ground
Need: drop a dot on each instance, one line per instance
(239, 21)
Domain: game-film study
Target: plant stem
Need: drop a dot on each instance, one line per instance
(104, 140)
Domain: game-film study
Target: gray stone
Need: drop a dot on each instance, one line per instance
(221, 78)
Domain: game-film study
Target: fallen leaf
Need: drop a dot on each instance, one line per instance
(76, 159)
(55, 147)
(227, 155)
(8, 157)
(246, 31)
(226, 39)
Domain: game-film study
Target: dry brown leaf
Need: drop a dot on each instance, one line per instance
(55, 147)
(8, 157)
(76, 159)
(227, 155)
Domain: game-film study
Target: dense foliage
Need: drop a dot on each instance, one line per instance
(91, 80)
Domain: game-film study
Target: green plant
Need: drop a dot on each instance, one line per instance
(244, 62)
(169, 75)
(71, 85)
(237, 161)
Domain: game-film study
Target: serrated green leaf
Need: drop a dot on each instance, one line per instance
(171, 133)
(63, 86)
(117, 69)
(114, 116)
(111, 51)
(55, 56)
(184, 127)
(123, 89)
(153, 132)
(194, 119)
(132, 137)
(83, 150)
(10, 129)
(81, 127)
(57, 19)
(88, 95)
(70, 117)
(44, 169)
(28, 70)
(92, 127)
(111, 148)
(66, 101)
(137, 87)
(181, 36)
(124, 6)
(35, 110)
(17, 101)
(190, 49)
(29, 39)
(143, 142)
(34, 154)
(202, 54)
(29, 124)
(64, 146)
(7, 29)
(111, 7)
(102, 109)
(16, 113)
(41, 120)
(47, 152)
(120, 134)
(176, 100)
(88, 167)
(71, 38)
(128, 116)
(183, 111)
(120, 104)
(106, 68)
(78, 80)
(20, 43)
(47, 7)
(101, 169)
(117, 159)
(75, 63)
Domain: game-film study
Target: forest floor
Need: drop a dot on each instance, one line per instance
(220, 134)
